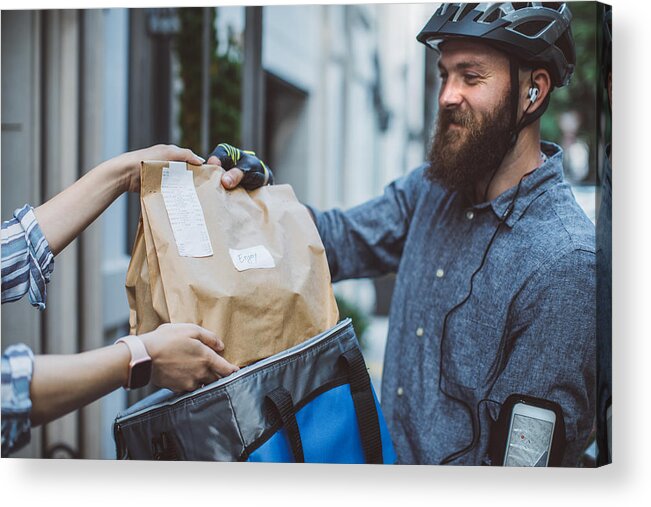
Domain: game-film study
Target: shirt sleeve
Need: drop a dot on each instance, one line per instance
(27, 261)
(17, 368)
(551, 350)
(367, 240)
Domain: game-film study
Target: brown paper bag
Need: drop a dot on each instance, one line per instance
(256, 309)
(141, 314)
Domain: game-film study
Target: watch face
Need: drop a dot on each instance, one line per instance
(140, 374)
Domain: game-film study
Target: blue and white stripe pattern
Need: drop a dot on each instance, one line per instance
(27, 261)
(17, 367)
(27, 264)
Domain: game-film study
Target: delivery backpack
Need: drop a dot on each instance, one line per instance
(312, 403)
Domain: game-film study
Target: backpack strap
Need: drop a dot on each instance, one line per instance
(281, 402)
(365, 408)
(164, 447)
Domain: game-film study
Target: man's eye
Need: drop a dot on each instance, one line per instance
(471, 78)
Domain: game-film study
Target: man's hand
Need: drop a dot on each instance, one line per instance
(185, 356)
(242, 167)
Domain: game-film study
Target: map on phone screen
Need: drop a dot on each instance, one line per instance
(529, 442)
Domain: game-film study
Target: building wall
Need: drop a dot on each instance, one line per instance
(334, 150)
(64, 99)
(21, 156)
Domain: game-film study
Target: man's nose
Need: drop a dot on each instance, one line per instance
(450, 95)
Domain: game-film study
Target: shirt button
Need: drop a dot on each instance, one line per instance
(420, 331)
(400, 391)
(440, 273)
(470, 214)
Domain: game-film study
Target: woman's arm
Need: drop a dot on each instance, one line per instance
(63, 383)
(184, 356)
(67, 214)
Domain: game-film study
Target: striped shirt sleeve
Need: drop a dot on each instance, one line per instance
(27, 261)
(17, 368)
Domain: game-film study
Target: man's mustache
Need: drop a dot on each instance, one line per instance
(456, 116)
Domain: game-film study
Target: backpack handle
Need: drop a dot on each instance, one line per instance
(283, 405)
(365, 408)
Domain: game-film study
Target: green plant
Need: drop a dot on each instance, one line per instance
(225, 82)
(581, 94)
(360, 319)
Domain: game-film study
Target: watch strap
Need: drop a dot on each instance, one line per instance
(138, 353)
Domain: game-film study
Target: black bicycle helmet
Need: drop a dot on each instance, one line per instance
(531, 34)
(534, 32)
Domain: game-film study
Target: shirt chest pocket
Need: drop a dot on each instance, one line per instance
(471, 347)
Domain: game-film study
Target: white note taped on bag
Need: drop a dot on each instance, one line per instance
(184, 211)
(256, 257)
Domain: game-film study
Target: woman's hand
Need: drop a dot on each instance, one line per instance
(185, 356)
(63, 217)
(128, 164)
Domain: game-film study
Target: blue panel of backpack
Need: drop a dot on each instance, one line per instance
(329, 433)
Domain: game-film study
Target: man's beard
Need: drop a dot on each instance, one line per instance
(461, 159)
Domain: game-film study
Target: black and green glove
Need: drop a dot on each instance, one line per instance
(256, 172)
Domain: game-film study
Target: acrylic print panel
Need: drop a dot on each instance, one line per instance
(459, 178)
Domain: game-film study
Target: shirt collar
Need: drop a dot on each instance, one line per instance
(538, 182)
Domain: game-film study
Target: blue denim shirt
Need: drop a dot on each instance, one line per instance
(527, 327)
(604, 309)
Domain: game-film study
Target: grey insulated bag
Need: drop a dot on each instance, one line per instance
(311, 403)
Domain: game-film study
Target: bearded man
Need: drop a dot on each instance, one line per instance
(495, 260)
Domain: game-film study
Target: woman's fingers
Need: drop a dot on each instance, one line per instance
(183, 154)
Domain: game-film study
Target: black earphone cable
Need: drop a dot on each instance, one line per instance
(476, 420)
(474, 417)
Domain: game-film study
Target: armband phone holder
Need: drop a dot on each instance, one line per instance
(529, 432)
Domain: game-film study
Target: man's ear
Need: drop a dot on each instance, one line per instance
(532, 97)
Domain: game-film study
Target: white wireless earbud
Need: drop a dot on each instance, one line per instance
(533, 94)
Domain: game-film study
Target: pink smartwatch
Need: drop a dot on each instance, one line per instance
(140, 364)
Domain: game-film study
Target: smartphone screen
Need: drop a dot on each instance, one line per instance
(529, 440)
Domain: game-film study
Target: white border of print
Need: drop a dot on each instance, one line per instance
(49, 482)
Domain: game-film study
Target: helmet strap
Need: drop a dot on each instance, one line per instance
(514, 69)
(526, 119)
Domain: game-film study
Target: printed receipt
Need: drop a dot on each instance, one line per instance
(184, 211)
